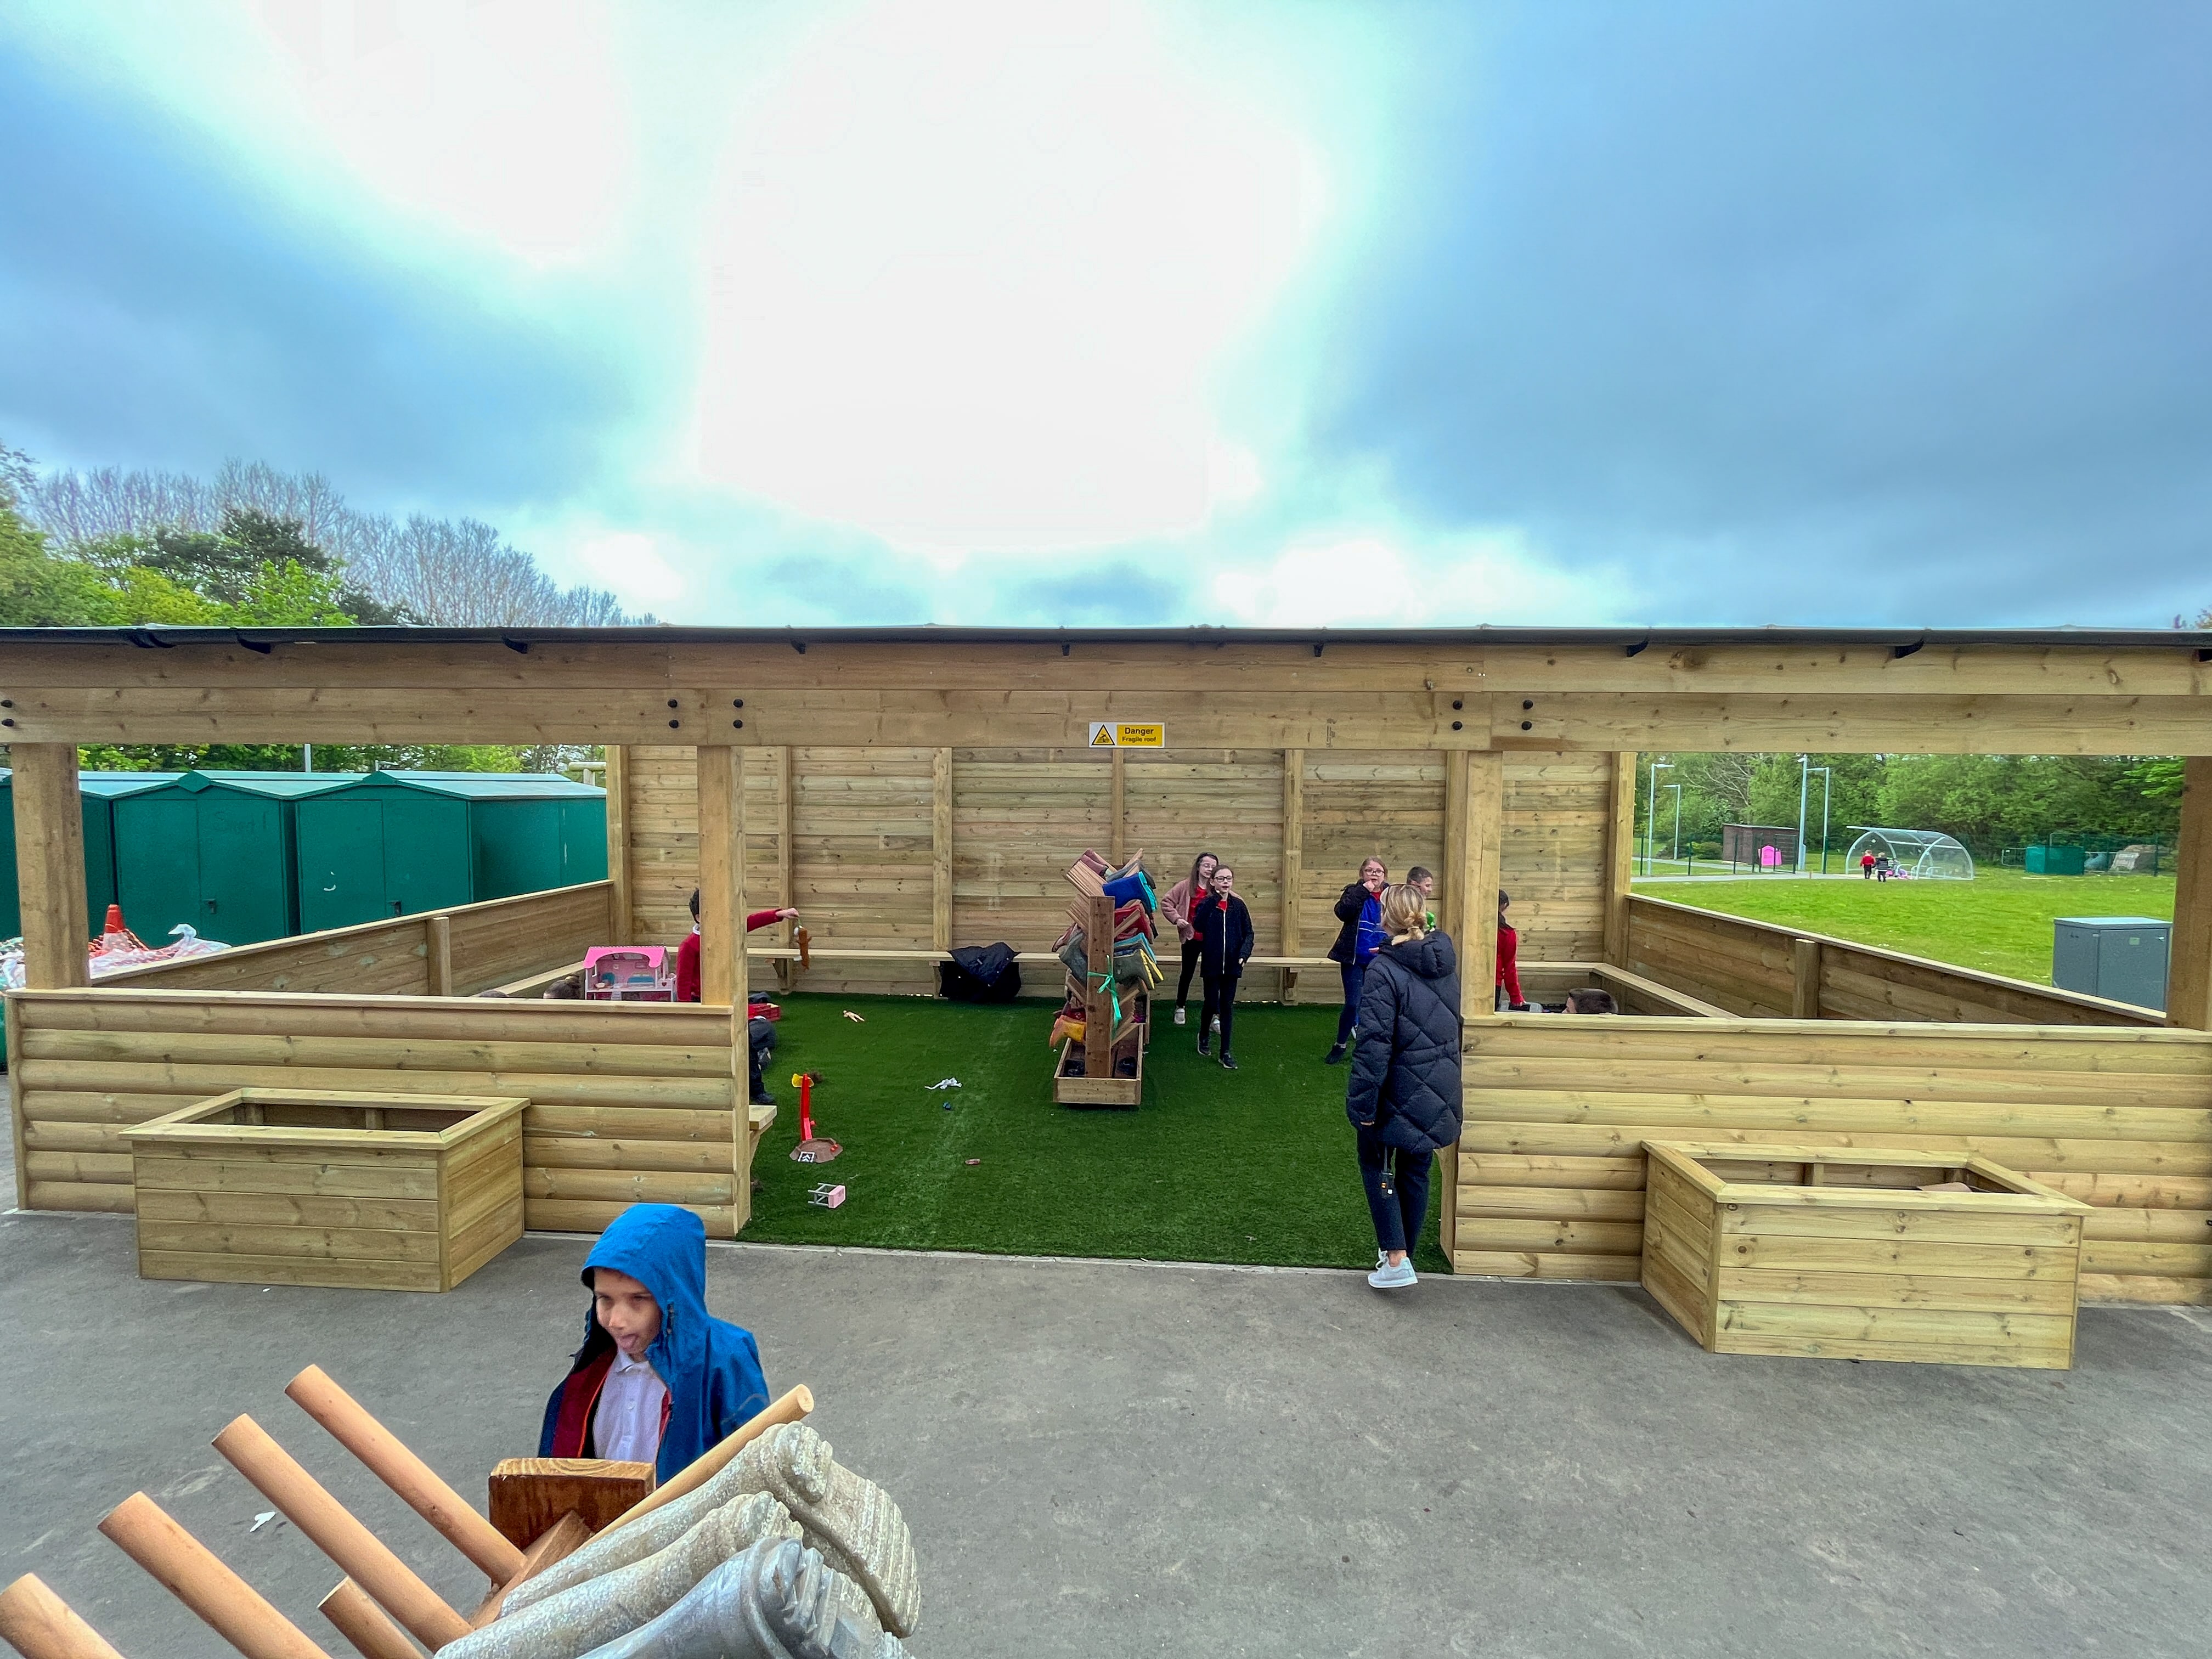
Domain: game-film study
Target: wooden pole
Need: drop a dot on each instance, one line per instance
(789, 1409)
(38, 1624)
(1619, 857)
(721, 875)
(741, 1126)
(940, 850)
(787, 823)
(364, 1623)
(1804, 978)
(438, 946)
(1117, 791)
(191, 1572)
(359, 1553)
(1455, 908)
(417, 1484)
(1481, 822)
(50, 865)
(2189, 972)
(620, 924)
(1294, 858)
(1098, 989)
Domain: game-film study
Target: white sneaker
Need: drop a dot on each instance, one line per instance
(1216, 1025)
(1388, 1278)
(1178, 1016)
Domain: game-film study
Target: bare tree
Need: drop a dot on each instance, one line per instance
(454, 572)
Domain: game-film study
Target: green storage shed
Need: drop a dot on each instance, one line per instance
(214, 849)
(99, 790)
(399, 843)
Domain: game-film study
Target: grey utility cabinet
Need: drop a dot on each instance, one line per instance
(2121, 958)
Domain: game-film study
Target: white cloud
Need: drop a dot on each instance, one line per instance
(1367, 580)
(631, 566)
(972, 269)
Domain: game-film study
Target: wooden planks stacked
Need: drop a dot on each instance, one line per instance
(629, 1102)
(1763, 1249)
(1551, 1171)
(1558, 813)
(1387, 804)
(1750, 967)
(490, 943)
(353, 1190)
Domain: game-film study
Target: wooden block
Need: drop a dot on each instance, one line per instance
(529, 1494)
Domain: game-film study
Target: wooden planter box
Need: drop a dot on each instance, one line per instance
(305, 1187)
(1834, 1253)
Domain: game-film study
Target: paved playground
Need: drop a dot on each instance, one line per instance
(1125, 1458)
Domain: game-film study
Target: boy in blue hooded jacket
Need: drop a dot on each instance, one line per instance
(659, 1379)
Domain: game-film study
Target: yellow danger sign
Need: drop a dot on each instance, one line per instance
(1112, 734)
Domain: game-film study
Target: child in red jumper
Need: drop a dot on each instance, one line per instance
(687, 954)
(1508, 954)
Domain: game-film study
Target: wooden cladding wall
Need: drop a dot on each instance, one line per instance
(1762, 972)
(1550, 1171)
(630, 1104)
(864, 868)
(485, 945)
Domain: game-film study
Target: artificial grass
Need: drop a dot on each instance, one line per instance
(1254, 1165)
(1999, 922)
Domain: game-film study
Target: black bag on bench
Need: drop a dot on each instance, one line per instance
(981, 973)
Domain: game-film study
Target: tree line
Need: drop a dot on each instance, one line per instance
(257, 548)
(1989, 802)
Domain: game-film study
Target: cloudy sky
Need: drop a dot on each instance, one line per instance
(877, 311)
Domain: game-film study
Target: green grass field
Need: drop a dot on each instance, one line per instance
(1999, 922)
(1255, 1165)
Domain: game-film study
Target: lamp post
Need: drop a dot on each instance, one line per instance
(1827, 793)
(1651, 820)
(1674, 848)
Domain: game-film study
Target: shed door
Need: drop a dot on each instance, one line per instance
(158, 866)
(245, 869)
(425, 854)
(341, 863)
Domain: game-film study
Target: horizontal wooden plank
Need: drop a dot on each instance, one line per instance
(288, 1210)
(1898, 1324)
(1759, 1285)
(1858, 1256)
(218, 1268)
(1544, 1264)
(1941, 1225)
(328, 1243)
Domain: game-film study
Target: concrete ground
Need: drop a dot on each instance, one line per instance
(1110, 1458)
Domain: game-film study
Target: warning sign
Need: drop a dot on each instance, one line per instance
(1110, 734)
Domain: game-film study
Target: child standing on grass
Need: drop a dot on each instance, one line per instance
(1175, 905)
(1358, 934)
(1225, 940)
(659, 1379)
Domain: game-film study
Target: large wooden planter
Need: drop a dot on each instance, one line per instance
(1834, 1252)
(306, 1186)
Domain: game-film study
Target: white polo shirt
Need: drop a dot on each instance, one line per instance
(625, 1424)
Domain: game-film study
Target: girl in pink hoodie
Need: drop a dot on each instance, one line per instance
(1175, 905)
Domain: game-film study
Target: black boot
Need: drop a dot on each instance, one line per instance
(1227, 1063)
(1334, 1056)
(1206, 1045)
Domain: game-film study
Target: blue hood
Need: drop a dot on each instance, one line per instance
(711, 1367)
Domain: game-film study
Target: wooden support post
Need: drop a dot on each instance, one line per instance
(1098, 989)
(1619, 857)
(1117, 808)
(789, 1409)
(415, 1482)
(360, 1554)
(722, 876)
(50, 865)
(620, 924)
(741, 1127)
(1804, 978)
(1294, 858)
(787, 823)
(1480, 832)
(1455, 909)
(2188, 970)
(438, 951)
(191, 1572)
(940, 850)
(38, 1624)
(364, 1623)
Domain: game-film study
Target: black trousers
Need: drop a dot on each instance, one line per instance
(1191, 951)
(1397, 1183)
(1221, 999)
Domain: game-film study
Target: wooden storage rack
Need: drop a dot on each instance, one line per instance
(1092, 1076)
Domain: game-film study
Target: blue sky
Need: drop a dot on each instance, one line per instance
(1157, 314)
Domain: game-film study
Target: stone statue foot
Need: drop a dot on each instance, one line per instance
(776, 1601)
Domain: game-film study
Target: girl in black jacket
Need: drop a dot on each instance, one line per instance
(1225, 940)
(1352, 952)
(1404, 1093)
